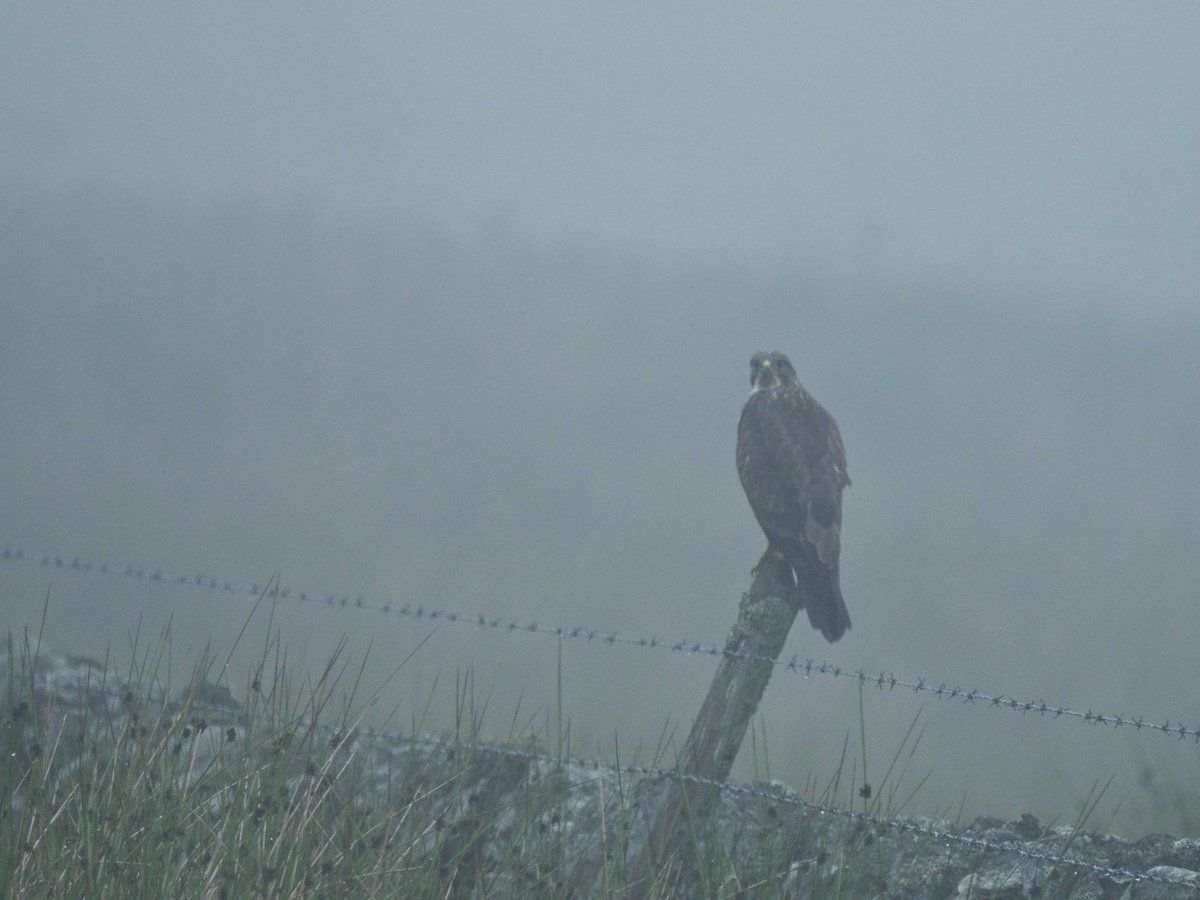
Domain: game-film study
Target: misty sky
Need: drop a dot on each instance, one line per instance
(1047, 147)
(452, 303)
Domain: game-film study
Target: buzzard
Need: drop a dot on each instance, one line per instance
(793, 468)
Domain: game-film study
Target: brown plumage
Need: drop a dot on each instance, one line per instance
(793, 468)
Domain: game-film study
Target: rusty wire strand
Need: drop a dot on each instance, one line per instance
(884, 681)
(782, 795)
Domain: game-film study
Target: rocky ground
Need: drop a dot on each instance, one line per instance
(481, 806)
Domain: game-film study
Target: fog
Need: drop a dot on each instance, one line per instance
(454, 307)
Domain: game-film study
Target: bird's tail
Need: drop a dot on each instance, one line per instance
(823, 600)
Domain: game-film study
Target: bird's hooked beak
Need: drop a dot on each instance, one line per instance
(764, 375)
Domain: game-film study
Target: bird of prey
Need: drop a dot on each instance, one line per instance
(792, 464)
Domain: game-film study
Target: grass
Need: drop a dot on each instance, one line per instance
(119, 785)
(149, 798)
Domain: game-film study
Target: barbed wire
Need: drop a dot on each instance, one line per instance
(884, 681)
(780, 795)
(783, 795)
(358, 736)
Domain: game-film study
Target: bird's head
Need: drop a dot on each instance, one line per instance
(770, 370)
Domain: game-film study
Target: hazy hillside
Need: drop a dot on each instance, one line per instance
(546, 432)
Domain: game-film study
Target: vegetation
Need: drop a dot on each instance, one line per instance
(117, 790)
(119, 786)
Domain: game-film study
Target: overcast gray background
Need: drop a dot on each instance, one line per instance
(453, 304)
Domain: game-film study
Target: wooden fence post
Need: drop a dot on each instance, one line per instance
(765, 617)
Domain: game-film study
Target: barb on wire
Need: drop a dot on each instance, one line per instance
(884, 681)
(783, 795)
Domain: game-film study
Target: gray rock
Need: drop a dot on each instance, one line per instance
(485, 808)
